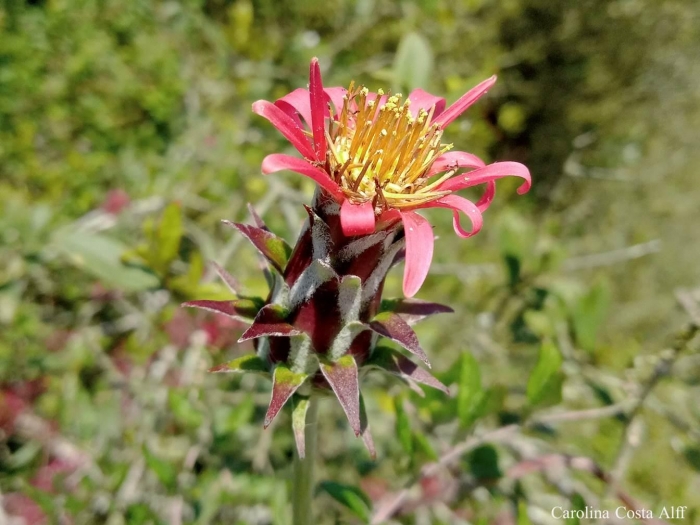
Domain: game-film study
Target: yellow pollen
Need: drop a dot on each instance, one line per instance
(378, 151)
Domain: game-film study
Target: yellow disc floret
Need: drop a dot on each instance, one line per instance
(378, 151)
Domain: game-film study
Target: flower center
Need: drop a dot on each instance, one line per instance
(378, 151)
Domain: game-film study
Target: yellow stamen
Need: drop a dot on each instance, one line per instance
(379, 152)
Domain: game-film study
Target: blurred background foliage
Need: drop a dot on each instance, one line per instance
(126, 136)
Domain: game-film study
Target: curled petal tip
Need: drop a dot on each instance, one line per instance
(524, 187)
(258, 106)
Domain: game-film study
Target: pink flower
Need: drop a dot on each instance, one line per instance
(382, 159)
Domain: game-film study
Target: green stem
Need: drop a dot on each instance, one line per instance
(303, 481)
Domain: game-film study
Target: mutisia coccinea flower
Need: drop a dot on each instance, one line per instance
(382, 158)
(376, 159)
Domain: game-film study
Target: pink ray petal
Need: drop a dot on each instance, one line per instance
(280, 161)
(336, 96)
(318, 109)
(296, 103)
(454, 160)
(357, 219)
(423, 100)
(457, 204)
(419, 251)
(466, 100)
(492, 172)
(285, 125)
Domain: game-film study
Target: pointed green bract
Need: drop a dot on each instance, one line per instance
(247, 363)
(321, 240)
(413, 310)
(273, 248)
(243, 309)
(317, 273)
(270, 321)
(395, 363)
(284, 384)
(314, 330)
(342, 342)
(349, 296)
(392, 326)
(343, 377)
(302, 358)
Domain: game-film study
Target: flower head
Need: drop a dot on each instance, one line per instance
(381, 157)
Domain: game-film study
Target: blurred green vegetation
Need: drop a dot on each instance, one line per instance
(126, 136)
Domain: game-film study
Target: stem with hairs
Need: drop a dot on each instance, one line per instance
(303, 480)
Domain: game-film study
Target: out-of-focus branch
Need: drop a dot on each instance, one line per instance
(31, 426)
(559, 461)
(394, 503)
(630, 438)
(690, 304)
(611, 257)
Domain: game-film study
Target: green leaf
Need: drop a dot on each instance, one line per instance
(513, 267)
(228, 419)
(413, 64)
(100, 256)
(471, 398)
(351, 497)
(577, 503)
(168, 237)
(588, 314)
(164, 471)
(545, 379)
(403, 426)
(189, 283)
(692, 456)
(183, 411)
(421, 444)
(523, 518)
(483, 463)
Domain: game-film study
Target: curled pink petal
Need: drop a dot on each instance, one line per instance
(419, 251)
(285, 125)
(423, 100)
(459, 204)
(336, 95)
(454, 160)
(487, 197)
(280, 161)
(466, 100)
(296, 103)
(318, 109)
(489, 173)
(357, 219)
